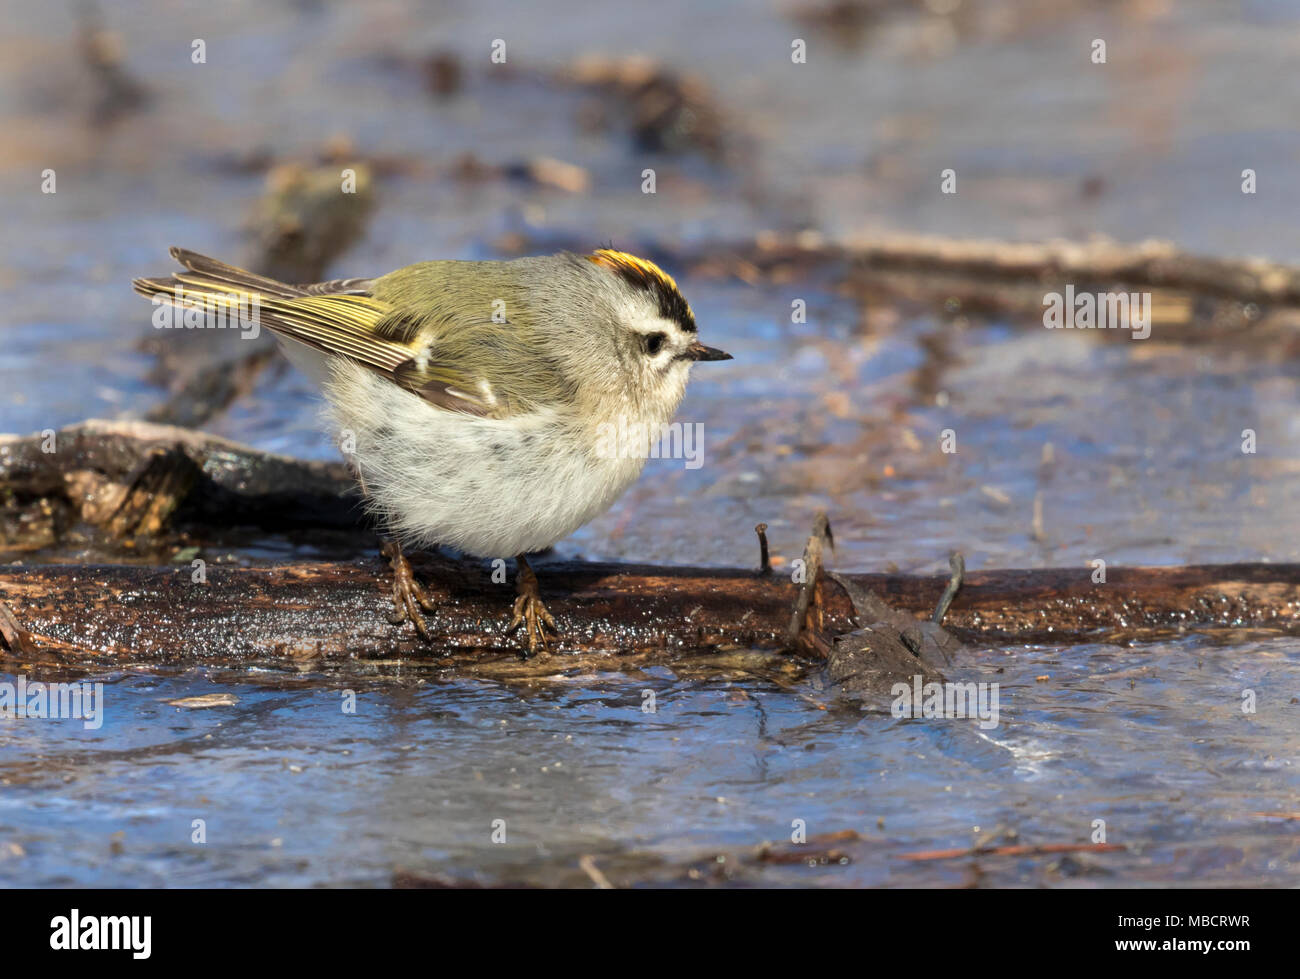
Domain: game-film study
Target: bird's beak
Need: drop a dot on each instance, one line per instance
(698, 351)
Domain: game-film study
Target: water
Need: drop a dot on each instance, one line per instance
(294, 791)
(1146, 439)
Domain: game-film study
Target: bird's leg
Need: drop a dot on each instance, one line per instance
(409, 597)
(529, 610)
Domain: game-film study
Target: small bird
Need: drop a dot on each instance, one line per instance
(479, 397)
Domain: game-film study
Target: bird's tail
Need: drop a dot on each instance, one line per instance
(215, 289)
(337, 317)
(207, 277)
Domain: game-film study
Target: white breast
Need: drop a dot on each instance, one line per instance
(489, 487)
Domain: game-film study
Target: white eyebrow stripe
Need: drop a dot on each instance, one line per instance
(659, 326)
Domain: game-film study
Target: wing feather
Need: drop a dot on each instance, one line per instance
(338, 318)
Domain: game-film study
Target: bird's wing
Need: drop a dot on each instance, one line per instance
(453, 365)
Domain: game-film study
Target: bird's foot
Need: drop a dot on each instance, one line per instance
(409, 596)
(529, 610)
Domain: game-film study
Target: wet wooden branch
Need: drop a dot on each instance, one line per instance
(307, 612)
(1151, 263)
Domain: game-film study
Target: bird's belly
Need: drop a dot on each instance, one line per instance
(489, 487)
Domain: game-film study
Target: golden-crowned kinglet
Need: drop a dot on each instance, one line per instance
(479, 396)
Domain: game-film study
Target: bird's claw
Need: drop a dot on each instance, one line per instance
(529, 610)
(531, 613)
(409, 596)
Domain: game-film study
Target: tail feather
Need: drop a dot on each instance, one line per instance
(204, 274)
(338, 321)
(213, 279)
(212, 268)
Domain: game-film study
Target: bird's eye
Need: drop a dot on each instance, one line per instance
(654, 343)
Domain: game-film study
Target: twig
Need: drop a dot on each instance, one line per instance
(1019, 850)
(958, 564)
(13, 634)
(588, 864)
(810, 587)
(765, 563)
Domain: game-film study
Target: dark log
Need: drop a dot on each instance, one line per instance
(310, 612)
(136, 478)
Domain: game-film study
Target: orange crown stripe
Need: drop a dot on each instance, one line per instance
(623, 260)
